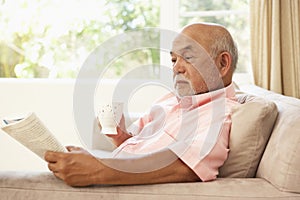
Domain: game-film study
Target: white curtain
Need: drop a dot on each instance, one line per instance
(275, 45)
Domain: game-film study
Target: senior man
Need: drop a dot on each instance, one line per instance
(184, 137)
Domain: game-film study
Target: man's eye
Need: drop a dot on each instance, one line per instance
(188, 57)
(173, 60)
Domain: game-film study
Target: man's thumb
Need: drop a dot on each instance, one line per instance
(73, 148)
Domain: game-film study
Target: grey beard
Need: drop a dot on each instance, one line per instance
(184, 91)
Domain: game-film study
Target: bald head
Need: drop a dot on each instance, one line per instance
(213, 38)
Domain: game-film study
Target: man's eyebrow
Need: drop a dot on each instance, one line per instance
(189, 47)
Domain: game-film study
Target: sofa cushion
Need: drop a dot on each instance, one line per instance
(252, 123)
(280, 163)
(45, 186)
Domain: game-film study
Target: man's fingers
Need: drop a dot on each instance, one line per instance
(70, 148)
(73, 148)
(52, 167)
(59, 175)
(51, 157)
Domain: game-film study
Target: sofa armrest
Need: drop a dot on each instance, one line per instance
(43, 185)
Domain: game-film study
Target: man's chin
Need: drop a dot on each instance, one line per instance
(181, 94)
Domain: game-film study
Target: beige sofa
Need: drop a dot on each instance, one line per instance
(264, 162)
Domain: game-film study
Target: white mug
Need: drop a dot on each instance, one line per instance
(110, 116)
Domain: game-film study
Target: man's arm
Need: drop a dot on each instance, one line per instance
(79, 168)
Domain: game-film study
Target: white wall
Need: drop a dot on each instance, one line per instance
(52, 101)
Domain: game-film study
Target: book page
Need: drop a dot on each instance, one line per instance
(34, 135)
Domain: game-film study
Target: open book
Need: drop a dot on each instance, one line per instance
(32, 133)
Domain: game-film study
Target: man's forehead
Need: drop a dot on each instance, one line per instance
(184, 43)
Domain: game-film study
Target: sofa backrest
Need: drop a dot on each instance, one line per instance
(280, 163)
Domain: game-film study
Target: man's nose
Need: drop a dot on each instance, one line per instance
(179, 66)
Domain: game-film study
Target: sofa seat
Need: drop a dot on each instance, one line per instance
(43, 185)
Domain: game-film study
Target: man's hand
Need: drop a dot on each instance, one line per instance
(79, 168)
(121, 135)
(76, 168)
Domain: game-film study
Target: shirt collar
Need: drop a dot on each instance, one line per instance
(201, 99)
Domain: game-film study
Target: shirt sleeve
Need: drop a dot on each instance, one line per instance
(207, 167)
(136, 127)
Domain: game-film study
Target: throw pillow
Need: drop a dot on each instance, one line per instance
(252, 123)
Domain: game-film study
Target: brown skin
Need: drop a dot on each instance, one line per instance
(192, 62)
(122, 135)
(79, 168)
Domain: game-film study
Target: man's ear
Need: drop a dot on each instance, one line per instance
(224, 63)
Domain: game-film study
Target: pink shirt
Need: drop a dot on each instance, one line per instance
(196, 128)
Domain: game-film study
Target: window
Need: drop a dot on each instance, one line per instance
(52, 38)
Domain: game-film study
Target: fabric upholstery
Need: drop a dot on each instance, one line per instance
(43, 185)
(280, 163)
(252, 123)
